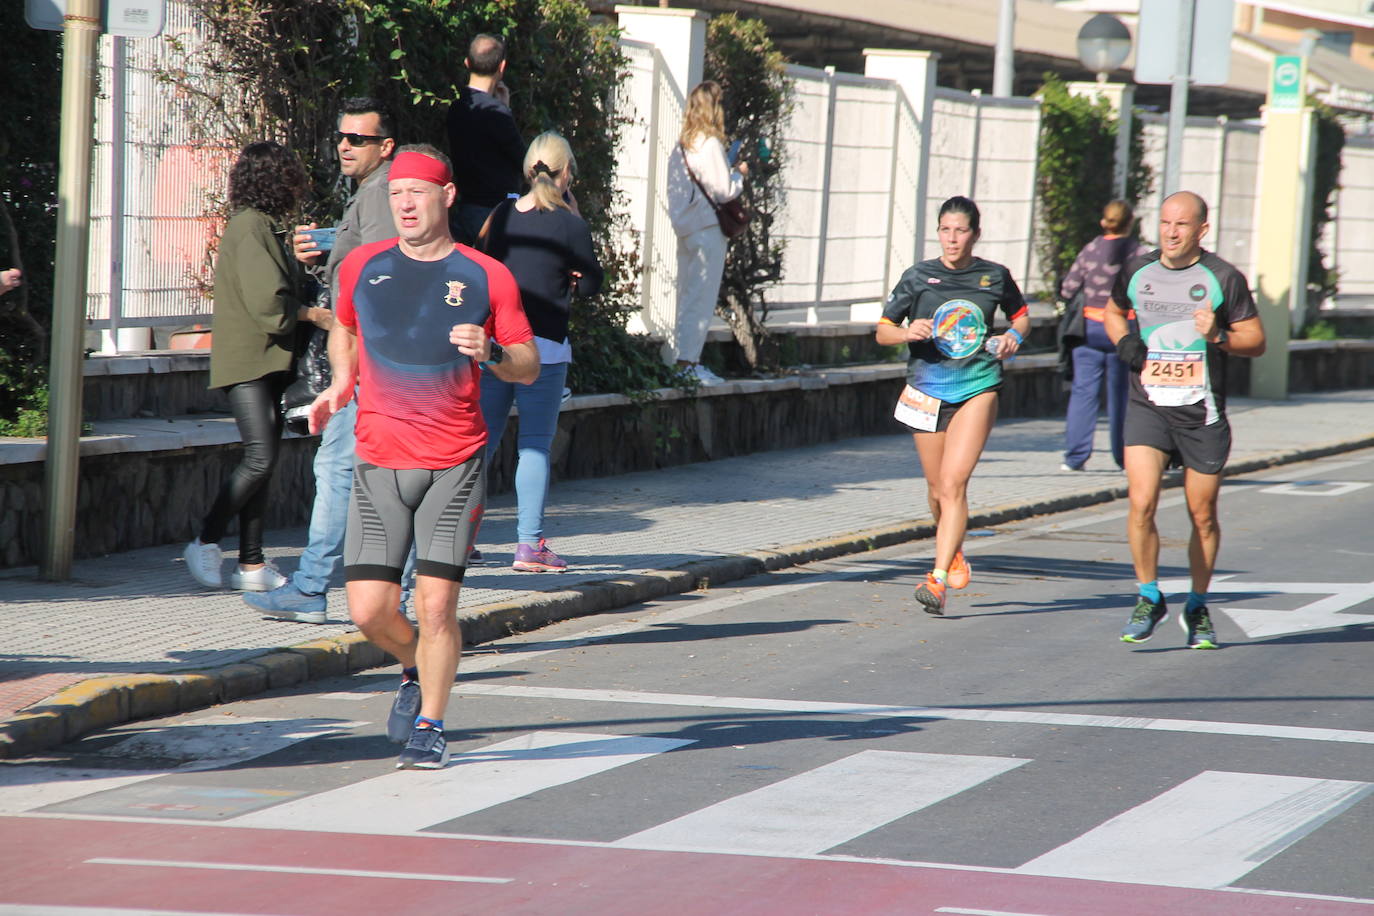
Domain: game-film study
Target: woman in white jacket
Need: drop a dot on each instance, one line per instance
(700, 243)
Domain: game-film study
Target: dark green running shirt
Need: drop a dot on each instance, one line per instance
(953, 366)
(1184, 376)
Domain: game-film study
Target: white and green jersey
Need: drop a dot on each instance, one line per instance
(1183, 376)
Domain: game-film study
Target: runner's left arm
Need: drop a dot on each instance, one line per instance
(1018, 313)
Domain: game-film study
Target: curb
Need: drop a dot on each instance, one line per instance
(103, 702)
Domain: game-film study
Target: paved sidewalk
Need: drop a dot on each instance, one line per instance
(138, 617)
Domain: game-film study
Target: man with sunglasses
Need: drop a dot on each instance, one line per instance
(366, 140)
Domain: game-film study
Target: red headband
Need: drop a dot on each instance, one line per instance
(417, 165)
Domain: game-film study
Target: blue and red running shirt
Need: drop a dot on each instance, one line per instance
(418, 396)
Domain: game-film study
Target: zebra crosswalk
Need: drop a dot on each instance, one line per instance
(1206, 831)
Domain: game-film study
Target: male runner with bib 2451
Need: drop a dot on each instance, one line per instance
(1193, 309)
(416, 316)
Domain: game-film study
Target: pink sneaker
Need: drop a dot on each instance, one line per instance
(538, 558)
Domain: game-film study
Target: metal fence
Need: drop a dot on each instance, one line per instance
(150, 186)
(1352, 232)
(1221, 162)
(855, 148)
(856, 153)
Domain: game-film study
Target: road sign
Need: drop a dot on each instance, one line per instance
(1285, 84)
(1158, 36)
(123, 18)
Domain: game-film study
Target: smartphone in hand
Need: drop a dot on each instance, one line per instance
(733, 155)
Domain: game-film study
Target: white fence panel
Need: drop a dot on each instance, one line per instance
(1004, 189)
(859, 203)
(1234, 224)
(1354, 232)
(805, 139)
(653, 102)
(151, 187)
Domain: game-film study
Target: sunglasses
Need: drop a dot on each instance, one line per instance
(357, 139)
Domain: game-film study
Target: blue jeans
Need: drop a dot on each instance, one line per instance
(329, 515)
(538, 403)
(1094, 359)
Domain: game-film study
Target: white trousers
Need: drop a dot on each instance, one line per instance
(700, 265)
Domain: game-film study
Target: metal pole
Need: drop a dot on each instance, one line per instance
(1125, 126)
(80, 32)
(1178, 100)
(1004, 61)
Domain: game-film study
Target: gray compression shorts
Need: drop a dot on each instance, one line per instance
(439, 510)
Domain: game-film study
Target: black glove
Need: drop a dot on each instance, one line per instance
(1132, 350)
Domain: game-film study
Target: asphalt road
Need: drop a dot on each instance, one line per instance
(807, 742)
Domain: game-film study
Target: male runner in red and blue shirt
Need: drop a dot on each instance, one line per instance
(416, 316)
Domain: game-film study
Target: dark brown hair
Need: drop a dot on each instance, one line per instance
(266, 177)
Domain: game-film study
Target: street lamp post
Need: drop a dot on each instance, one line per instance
(1104, 43)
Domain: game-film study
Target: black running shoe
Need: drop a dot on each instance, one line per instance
(404, 709)
(1146, 616)
(1198, 625)
(426, 750)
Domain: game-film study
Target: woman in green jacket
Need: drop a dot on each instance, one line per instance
(258, 302)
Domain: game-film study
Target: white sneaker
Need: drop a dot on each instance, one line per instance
(706, 376)
(203, 562)
(1068, 467)
(263, 579)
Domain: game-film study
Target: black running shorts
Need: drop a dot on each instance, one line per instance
(439, 510)
(949, 408)
(1202, 448)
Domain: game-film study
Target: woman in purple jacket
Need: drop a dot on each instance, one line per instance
(1093, 273)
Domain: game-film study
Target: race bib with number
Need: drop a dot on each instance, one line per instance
(918, 410)
(1174, 378)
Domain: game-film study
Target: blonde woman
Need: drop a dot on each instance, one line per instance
(698, 167)
(547, 246)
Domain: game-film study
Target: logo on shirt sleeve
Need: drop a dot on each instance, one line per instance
(455, 292)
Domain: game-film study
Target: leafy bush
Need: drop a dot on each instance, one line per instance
(1326, 174)
(282, 66)
(28, 205)
(1075, 177)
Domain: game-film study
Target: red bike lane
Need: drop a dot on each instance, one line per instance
(216, 869)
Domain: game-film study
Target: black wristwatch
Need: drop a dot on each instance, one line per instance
(1222, 336)
(498, 353)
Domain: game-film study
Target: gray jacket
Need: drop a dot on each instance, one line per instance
(366, 220)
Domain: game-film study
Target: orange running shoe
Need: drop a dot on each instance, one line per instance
(931, 594)
(959, 572)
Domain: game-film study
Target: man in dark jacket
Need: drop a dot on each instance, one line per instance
(484, 143)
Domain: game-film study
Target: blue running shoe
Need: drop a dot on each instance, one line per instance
(426, 750)
(1198, 625)
(288, 603)
(404, 709)
(1146, 616)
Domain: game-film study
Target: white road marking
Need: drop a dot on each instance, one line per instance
(285, 870)
(1316, 488)
(28, 909)
(1261, 623)
(209, 742)
(1206, 833)
(805, 707)
(404, 802)
(822, 808)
